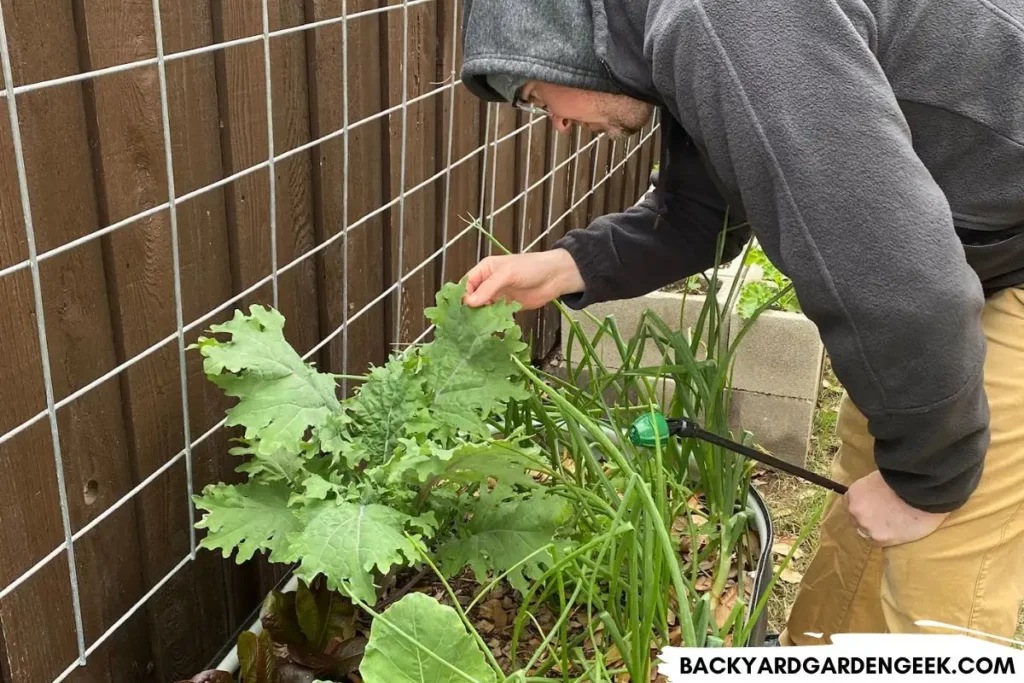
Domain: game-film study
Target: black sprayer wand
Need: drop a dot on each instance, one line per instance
(651, 429)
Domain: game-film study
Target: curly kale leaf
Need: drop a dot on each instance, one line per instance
(469, 366)
(280, 395)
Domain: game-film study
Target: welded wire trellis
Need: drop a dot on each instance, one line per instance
(493, 153)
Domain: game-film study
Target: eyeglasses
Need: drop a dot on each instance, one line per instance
(519, 103)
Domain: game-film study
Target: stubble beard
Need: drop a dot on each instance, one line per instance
(628, 119)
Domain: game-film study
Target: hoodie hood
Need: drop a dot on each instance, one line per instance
(506, 43)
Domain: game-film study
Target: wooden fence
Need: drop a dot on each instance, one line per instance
(94, 158)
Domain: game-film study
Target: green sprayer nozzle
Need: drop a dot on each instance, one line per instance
(649, 430)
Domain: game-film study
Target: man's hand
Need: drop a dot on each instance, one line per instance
(533, 280)
(883, 517)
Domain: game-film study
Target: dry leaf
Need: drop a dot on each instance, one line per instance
(699, 520)
(725, 605)
(790, 575)
(782, 547)
(703, 584)
(567, 462)
(684, 542)
(694, 503)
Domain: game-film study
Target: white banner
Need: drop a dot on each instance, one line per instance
(850, 658)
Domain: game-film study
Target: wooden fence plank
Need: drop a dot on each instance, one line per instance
(530, 210)
(614, 184)
(559, 188)
(5, 671)
(242, 101)
(364, 277)
(190, 617)
(561, 185)
(198, 162)
(629, 172)
(411, 228)
(602, 163)
(368, 145)
(244, 136)
(295, 229)
(241, 104)
(326, 82)
(643, 176)
(503, 171)
(36, 622)
(584, 158)
(464, 182)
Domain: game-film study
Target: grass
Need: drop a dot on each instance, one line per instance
(794, 502)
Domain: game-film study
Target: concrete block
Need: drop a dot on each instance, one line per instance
(781, 355)
(780, 425)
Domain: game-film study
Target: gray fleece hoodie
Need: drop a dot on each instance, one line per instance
(877, 149)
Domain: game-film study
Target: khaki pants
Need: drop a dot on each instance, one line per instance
(969, 572)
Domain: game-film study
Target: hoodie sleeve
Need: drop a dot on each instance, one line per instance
(797, 114)
(670, 234)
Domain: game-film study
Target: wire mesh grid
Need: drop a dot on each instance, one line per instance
(492, 154)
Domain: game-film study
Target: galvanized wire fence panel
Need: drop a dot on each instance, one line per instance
(164, 164)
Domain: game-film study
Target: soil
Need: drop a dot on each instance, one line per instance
(696, 285)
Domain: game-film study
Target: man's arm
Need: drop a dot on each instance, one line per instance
(797, 114)
(671, 234)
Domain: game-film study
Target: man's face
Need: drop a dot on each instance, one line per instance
(614, 115)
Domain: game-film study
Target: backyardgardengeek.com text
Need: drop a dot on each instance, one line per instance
(848, 665)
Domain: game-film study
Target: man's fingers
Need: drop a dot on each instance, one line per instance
(487, 289)
(476, 275)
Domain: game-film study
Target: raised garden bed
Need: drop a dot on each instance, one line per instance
(777, 370)
(465, 516)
